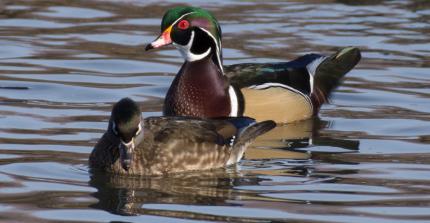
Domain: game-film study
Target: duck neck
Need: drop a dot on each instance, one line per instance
(199, 89)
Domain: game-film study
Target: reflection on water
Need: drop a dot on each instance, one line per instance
(366, 158)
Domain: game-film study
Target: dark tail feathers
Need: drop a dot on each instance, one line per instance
(251, 132)
(329, 73)
(247, 136)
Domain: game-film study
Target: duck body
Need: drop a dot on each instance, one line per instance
(284, 92)
(177, 144)
(290, 91)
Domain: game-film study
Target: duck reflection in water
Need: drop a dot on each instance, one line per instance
(292, 141)
(125, 195)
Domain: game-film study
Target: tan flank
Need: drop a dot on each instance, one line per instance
(277, 104)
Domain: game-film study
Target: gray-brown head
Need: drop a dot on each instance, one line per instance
(126, 123)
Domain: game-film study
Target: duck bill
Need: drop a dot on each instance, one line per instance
(126, 151)
(163, 40)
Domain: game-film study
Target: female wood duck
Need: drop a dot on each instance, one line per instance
(162, 145)
(284, 92)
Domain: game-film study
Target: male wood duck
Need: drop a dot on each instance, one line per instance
(161, 145)
(284, 92)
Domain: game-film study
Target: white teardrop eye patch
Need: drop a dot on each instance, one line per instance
(183, 24)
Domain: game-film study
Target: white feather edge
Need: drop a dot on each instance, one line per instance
(312, 68)
(270, 85)
(181, 17)
(237, 154)
(234, 104)
(218, 48)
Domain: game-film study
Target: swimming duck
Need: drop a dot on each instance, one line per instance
(161, 145)
(284, 92)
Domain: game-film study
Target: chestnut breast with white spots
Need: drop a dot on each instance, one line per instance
(199, 91)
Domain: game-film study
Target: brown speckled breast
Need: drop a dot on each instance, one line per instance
(199, 90)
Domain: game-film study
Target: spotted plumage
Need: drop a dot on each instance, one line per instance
(284, 92)
(190, 96)
(167, 145)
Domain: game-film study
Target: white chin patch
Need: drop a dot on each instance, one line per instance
(186, 50)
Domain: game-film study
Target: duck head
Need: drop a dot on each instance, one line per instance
(126, 123)
(195, 32)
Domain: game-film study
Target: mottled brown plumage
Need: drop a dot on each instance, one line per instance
(177, 144)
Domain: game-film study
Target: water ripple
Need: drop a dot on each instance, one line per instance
(365, 158)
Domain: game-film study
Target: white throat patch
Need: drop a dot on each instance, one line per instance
(186, 50)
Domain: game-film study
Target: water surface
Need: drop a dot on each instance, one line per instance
(366, 158)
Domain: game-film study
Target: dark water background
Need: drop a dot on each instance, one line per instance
(365, 159)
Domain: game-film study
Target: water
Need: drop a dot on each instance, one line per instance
(365, 159)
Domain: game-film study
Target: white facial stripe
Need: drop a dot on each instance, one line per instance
(218, 48)
(234, 105)
(181, 17)
(186, 50)
(177, 45)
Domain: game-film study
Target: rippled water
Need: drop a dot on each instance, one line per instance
(365, 159)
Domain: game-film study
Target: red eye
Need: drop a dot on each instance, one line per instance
(183, 24)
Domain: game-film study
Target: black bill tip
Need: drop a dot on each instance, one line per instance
(149, 47)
